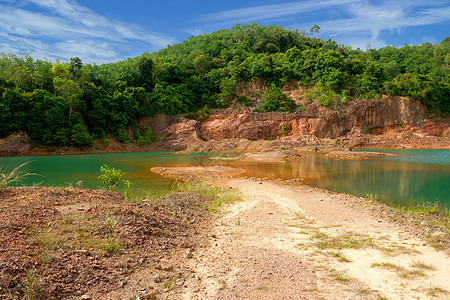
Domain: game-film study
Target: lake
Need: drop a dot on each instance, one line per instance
(415, 176)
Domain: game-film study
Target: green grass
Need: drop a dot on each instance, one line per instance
(339, 256)
(13, 176)
(32, 286)
(348, 240)
(216, 196)
(435, 291)
(78, 232)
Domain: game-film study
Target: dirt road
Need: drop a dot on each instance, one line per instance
(299, 242)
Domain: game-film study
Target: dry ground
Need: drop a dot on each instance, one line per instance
(299, 242)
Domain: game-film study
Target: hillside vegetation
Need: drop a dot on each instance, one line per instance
(72, 103)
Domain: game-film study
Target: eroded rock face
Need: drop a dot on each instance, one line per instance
(316, 121)
(172, 127)
(15, 144)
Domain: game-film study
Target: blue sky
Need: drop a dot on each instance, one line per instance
(110, 30)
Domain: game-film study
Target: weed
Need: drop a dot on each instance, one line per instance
(422, 266)
(32, 286)
(339, 256)
(110, 222)
(113, 246)
(217, 196)
(339, 277)
(347, 240)
(284, 130)
(372, 197)
(401, 271)
(434, 291)
(128, 184)
(262, 288)
(11, 177)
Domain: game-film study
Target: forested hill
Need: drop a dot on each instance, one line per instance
(71, 103)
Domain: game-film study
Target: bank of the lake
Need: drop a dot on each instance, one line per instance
(411, 177)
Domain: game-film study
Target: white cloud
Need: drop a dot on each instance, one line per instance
(266, 12)
(45, 26)
(358, 22)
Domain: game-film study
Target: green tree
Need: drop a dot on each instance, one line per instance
(80, 136)
(276, 100)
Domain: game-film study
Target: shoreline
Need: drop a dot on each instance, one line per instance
(153, 148)
(280, 239)
(308, 226)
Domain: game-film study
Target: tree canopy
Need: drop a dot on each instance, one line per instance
(71, 103)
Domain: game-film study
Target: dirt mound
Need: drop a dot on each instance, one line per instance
(65, 242)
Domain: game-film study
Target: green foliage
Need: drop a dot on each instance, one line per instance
(276, 100)
(41, 97)
(110, 222)
(80, 136)
(147, 138)
(110, 176)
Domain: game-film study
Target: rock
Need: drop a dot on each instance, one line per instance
(85, 297)
(316, 121)
(157, 279)
(15, 144)
(150, 296)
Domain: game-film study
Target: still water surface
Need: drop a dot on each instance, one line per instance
(414, 176)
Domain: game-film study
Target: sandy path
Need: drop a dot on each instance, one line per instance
(298, 242)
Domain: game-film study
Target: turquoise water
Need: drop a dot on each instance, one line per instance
(415, 176)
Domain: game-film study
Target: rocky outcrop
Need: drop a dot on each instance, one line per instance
(172, 127)
(15, 144)
(356, 119)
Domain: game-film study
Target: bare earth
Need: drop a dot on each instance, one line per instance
(299, 242)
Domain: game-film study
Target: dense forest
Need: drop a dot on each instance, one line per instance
(72, 103)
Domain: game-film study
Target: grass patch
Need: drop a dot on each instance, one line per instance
(12, 177)
(394, 250)
(436, 291)
(79, 232)
(339, 277)
(348, 240)
(401, 271)
(216, 196)
(423, 266)
(339, 256)
(32, 286)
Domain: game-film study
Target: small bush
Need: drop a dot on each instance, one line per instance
(276, 100)
(147, 138)
(110, 176)
(80, 136)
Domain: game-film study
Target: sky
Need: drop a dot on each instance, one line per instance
(101, 31)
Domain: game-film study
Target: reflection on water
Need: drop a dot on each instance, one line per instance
(392, 179)
(414, 176)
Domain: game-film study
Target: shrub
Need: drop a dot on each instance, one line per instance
(148, 137)
(110, 176)
(276, 100)
(80, 136)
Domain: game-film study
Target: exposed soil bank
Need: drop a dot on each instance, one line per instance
(386, 123)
